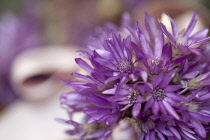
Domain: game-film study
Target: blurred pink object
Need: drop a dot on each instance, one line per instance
(37, 73)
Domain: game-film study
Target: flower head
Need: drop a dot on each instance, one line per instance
(183, 41)
(143, 85)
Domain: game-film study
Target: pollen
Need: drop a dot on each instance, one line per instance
(148, 125)
(193, 107)
(132, 97)
(158, 94)
(181, 41)
(125, 66)
(156, 64)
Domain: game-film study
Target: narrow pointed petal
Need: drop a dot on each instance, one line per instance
(171, 88)
(198, 127)
(162, 108)
(157, 80)
(175, 132)
(200, 34)
(199, 42)
(174, 28)
(145, 47)
(197, 51)
(165, 31)
(136, 109)
(149, 104)
(159, 45)
(155, 108)
(83, 65)
(167, 52)
(191, 25)
(170, 110)
(168, 78)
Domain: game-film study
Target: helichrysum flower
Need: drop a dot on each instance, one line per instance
(144, 83)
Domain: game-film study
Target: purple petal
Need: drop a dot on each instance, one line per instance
(190, 75)
(110, 91)
(170, 110)
(198, 127)
(167, 52)
(83, 65)
(106, 63)
(204, 97)
(112, 79)
(191, 25)
(136, 109)
(145, 47)
(159, 45)
(171, 88)
(187, 135)
(150, 26)
(174, 28)
(155, 108)
(99, 102)
(160, 136)
(200, 34)
(185, 128)
(126, 107)
(175, 132)
(199, 116)
(168, 78)
(199, 42)
(196, 51)
(165, 31)
(94, 111)
(95, 118)
(162, 108)
(157, 80)
(117, 45)
(137, 51)
(175, 97)
(178, 60)
(152, 135)
(149, 104)
(143, 74)
(112, 119)
(103, 53)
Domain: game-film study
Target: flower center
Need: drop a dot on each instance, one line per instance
(156, 64)
(193, 107)
(132, 97)
(125, 66)
(148, 125)
(181, 41)
(158, 94)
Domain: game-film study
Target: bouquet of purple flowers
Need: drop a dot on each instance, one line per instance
(142, 82)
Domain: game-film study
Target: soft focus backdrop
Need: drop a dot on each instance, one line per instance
(38, 43)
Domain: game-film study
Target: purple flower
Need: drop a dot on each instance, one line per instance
(127, 97)
(143, 85)
(184, 41)
(162, 96)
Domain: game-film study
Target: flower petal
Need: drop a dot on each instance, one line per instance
(191, 25)
(136, 109)
(170, 110)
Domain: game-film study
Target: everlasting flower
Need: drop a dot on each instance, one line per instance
(162, 96)
(141, 85)
(184, 41)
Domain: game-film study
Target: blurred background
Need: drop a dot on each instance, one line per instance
(38, 43)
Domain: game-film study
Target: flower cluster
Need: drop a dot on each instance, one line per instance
(143, 82)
